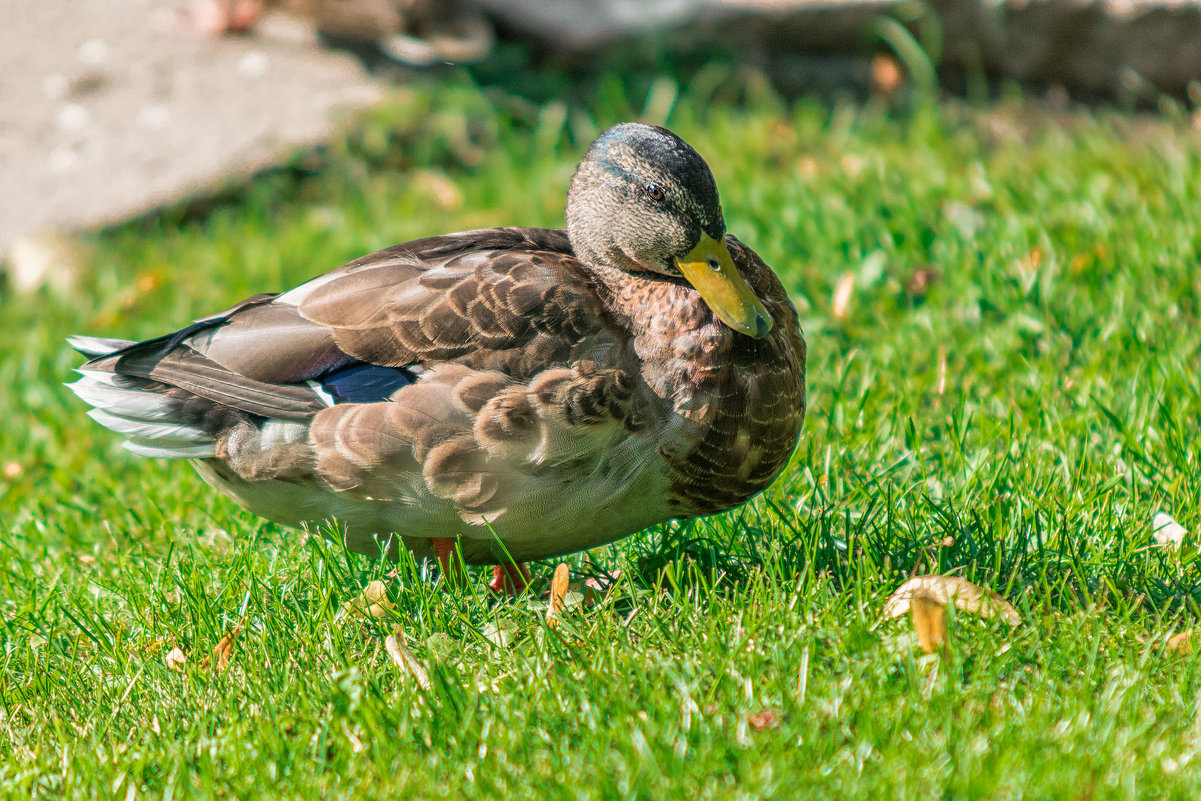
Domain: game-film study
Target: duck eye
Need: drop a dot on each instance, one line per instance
(654, 191)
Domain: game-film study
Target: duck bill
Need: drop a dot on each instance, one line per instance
(710, 269)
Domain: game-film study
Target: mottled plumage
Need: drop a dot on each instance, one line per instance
(564, 390)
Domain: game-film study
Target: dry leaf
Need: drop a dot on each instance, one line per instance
(965, 595)
(220, 656)
(403, 658)
(841, 302)
(1181, 643)
(929, 621)
(766, 719)
(558, 595)
(1167, 532)
(176, 659)
(887, 75)
(356, 743)
(372, 603)
(941, 387)
(921, 280)
(1031, 261)
(595, 589)
(500, 633)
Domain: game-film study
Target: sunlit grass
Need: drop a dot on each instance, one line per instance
(1015, 374)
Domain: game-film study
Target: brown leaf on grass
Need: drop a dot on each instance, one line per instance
(558, 595)
(765, 719)
(1181, 643)
(929, 621)
(887, 74)
(1031, 261)
(371, 604)
(1167, 532)
(921, 280)
(403, 658)
(176, 659)
(594, 589)
(840, 303)
(965, 596)
(220, 655)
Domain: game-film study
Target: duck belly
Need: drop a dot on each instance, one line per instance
(549, 518)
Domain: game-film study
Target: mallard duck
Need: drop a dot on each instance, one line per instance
(507, 393)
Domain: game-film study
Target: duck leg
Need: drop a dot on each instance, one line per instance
(452, 568)
(509, 578)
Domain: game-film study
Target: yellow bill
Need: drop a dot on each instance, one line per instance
(710, 269)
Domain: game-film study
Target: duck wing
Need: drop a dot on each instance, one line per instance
(510, 299)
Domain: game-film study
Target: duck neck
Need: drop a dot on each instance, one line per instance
(674, 335)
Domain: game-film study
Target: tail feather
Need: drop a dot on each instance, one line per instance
(149, 430)
(138, 408)
(143, 447)
(97, 346)
(126, 402)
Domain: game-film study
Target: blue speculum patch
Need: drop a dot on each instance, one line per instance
(366, 383)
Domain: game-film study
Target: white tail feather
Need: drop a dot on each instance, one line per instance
(171, 433)
(129, 403)
(97, 346)
(150, 448)
(145, 416)
(111, 379)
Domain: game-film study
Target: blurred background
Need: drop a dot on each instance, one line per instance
(111, 109)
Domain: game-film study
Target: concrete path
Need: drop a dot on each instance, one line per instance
(108, 109)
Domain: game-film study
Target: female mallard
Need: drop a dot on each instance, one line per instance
(519, 392)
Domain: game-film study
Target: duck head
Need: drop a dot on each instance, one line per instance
(644, 201)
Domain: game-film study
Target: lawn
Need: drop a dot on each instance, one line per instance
(1002, 308)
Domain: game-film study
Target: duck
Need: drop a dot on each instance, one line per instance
(495, 396)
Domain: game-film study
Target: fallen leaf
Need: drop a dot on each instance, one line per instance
(176, 659)
(941, 387)
(921, 280)
(372, 603)
(1031, 261)
(558, 594)
(965, 596)
(356, 743)
(841, 302)
(604, 583)
(887, 75)
(220, 656)
(403, 658)
(500, 633)
(929, 621)
(596, 588)
(1181, 643)
(1167, 532)
(766, 719)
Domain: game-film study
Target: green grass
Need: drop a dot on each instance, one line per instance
(743, 657)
